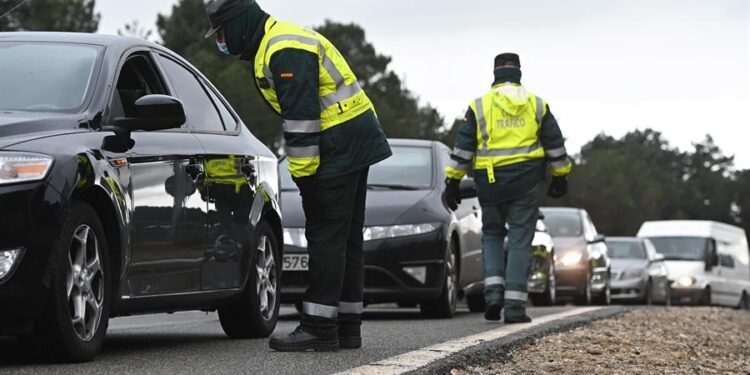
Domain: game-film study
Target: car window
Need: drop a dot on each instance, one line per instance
(201, 112)
(410, 167)
(589, 227)
(681, 248)
(564, 224)
(626, 250)
(137, 78)
(230, 122)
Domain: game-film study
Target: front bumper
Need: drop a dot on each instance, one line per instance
(686, 296)
(628, 289)
(30, 220)
(385, 279)
(571, 279)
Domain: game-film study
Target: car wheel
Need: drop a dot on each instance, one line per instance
(706, 297)
(77, 313)
(605, 297)
(584, 297)
(667, 295)
(255, 313)
(445, 305)
(475, 303)
(549, 297)
(648, 295)
(744, 302)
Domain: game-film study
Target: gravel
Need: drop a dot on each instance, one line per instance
(646, 341)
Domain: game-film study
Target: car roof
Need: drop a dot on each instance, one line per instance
(410, 142)
(561, 209)
(66, 37)
(624, 239)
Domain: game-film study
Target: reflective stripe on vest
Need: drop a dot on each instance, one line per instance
(510, 151)
(301, 126)
(303, 152)
(482, 121)
(556, 153)
(463, 154)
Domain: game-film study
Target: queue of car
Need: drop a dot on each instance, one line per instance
(128, 185)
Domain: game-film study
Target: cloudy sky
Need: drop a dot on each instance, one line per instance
(679, 66)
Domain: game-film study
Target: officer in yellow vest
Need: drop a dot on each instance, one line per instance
(332, 136)
(507, 138)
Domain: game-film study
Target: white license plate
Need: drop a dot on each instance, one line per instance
(296, 262)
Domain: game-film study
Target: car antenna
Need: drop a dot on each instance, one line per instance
(12, 9)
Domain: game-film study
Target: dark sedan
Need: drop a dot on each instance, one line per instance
(416, 250)
(127, 185)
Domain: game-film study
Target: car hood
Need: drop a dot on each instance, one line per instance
(620, 264)
(16, 127)
(679, 268)
(383, 207)
(564, 245)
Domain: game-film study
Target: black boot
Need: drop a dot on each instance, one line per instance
(517, 319)
(493, 310)
(301, 341)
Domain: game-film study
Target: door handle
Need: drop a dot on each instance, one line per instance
(195, 171)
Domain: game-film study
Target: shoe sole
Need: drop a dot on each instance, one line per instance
(493, 313)
(316, 346)
(350, 342)
(511, 321)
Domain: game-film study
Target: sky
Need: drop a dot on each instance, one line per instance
(681, 67)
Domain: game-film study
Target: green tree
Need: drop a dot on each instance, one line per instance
(50, 15)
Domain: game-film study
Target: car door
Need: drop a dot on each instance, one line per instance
(229, 179)
(169, 216)
(469, 215)
(727, 290)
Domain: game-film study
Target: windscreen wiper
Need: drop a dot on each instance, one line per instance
(391, 187)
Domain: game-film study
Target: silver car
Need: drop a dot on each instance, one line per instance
(639, 273)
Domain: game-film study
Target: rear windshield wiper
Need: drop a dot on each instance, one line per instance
(391, 187)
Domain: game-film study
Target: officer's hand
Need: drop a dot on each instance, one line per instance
(452, 193)
(305, 184)
(558, 188)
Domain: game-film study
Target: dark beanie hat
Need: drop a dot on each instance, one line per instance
(507, 58)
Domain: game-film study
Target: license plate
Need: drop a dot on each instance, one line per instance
(296, 262)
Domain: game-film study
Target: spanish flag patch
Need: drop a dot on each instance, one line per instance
(287, 75)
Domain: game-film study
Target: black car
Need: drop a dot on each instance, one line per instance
(582, 266)
(127, 185)
(416, 250)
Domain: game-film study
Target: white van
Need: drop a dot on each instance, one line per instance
(708, 262)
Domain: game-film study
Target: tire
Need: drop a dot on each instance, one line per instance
(255, 313)
(444, 306)
(648, 296)
(605, 297)
(744, 302)
(549, 297)
(76, 316)
(668, 296)
(476, 303)
(585, 297)
(705, 299)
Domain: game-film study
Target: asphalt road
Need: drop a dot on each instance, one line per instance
(194, 342)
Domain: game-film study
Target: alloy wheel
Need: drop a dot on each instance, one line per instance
(451, 278)
(552, 285)
(266, 281)
(85, 283)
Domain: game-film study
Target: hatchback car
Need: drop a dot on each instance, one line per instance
(416, 250)
(128, 185)
(582, 266)
(638, 271)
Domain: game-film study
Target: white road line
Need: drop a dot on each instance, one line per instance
(414, 360)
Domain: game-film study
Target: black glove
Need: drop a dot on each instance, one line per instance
(452, 193)
(305, 184)
(558, 188)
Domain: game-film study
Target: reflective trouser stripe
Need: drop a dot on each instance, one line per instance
(510, 151)
(482, 121)
(494, 280)
(303, 152)
(516, 296)
(323, 311)
(351, 307)
(557, 152)
(463, 154)
(301, 126)
(539, 110)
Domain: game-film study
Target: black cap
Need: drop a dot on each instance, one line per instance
(507, 59)
(221, 11)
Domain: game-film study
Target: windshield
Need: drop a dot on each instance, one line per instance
(45, 77)
(410, 168)
(626, 250)
(563, 224)
(681, 248)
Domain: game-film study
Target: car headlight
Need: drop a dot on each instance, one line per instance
(571, 259)
(633, 273)
(379, 233)
(686, 281)
(295, 237)
(23, 167)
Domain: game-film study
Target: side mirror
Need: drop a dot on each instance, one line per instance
(658, 257)
(152, 112)
(598, 239)
(468, 189)
(712, 257)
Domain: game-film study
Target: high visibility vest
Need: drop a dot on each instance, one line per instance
(505, 138)
(341, 97)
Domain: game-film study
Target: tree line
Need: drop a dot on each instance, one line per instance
(620, 181)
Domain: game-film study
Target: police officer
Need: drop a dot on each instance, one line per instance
(507, 138)
(332, 136)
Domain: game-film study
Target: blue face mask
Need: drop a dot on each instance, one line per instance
(223, 48)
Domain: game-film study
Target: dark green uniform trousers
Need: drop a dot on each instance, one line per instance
(335, 216)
